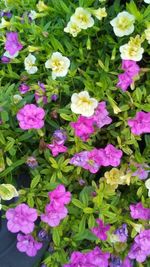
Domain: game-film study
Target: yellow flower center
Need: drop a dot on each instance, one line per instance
(124, 23)
(57, 65)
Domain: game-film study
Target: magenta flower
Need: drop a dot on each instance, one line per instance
(124, 81)
(83, 127)
(141, 123)
(12, 44)
(55, 211)
(94, 258)
(59, 196)
(127, 263)
(27, 244)
(21, 218)
(31, 117)
(137, 211)
(24, 88)
(100, 116)
(56, 148)
(110, 156)
(130, 67)
(100, 230)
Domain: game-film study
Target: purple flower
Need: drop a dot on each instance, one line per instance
(137, 211)
(136, 252)
(122, 233)
(110, 156)
(141, 123)
(56, 149)
(127, 263)
(124, 81)
(5, 59)
(5, 14)
(54, 97)
(12, 44)
(32, 162)
(115, 262)
(83, 127)
(43, 235)
(55, 211)
(21, 218)
(100, 116)
(23, 88)
(27, 244)
(100, 230)
(31, 117)
(131, 67)
(40, 93)
(59, 136)
(141, 171)
(143, 240)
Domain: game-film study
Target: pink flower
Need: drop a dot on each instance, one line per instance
(12, 44)
(141, 123)
(24, 88)
(137, 211)
(27, 244)
(31, 117)
(60, 196)
(100, 230)
(83, 127)
(57, 148)
(131, 67)
(93, 162)
(110, 156)
(21, 218)
(124, 81)
(53, 215)
(55, 211)
(98, 257)
(100, 116)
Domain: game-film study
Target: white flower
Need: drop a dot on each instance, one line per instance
(4, 23)
(147, 1)
(82, 18)
(147, 184)
(29, 63)
(72, 28)
(147, 34)
(33, 14)
(83, 104)
(59, 65)
(123, 24)
(132, 50)
(100, 13)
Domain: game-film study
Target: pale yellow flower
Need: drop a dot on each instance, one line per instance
(132, 50)
(83, 104)
(82, 18)
(123, 24)
(7, 191)
(59, 65)
(29, 63)
(147, 1)
(147, 184)
(100, 13)
(72, 28)
(147, 34)
(41, 6)
(117, 177)
(4, 23)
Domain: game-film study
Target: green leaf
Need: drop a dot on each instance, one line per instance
(78, 203)
(56, 236)
(132, 8)
(35, 181)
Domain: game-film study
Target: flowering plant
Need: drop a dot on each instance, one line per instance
(75, 120)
